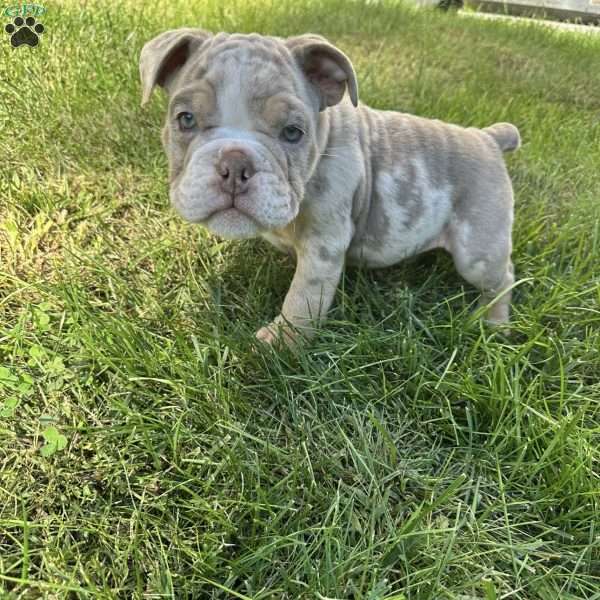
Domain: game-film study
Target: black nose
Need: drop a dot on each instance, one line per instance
(235, 169)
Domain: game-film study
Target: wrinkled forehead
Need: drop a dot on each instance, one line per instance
(257, 57)
(238, 75)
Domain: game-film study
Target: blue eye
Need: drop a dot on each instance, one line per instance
(292, 134)
(186, 120)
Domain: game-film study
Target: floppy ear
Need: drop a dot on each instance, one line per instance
(328, 69)
(164, 55)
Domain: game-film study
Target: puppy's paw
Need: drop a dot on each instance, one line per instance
(267, 335)
(279, 333)
(502, 327)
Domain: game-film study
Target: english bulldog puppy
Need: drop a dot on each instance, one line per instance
(266, 137)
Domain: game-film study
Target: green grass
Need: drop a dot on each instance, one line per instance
(410, 453)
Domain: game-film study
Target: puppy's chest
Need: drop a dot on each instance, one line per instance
(282, 240)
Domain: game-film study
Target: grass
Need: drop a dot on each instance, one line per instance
(410, 453)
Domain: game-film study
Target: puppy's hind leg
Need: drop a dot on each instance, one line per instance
(494, 280)
(499, 298)
(488, 267)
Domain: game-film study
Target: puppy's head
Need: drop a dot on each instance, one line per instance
(241, 127)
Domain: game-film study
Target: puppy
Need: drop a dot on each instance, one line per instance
(266, 137)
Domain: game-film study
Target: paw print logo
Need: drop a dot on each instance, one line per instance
(24, 31)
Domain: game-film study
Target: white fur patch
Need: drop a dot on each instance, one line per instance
(405, 234)
(232, 98)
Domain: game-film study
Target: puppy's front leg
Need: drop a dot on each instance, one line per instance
(313, 287)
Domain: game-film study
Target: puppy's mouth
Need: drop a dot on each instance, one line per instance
(214, 212)
(235, 189)
(225, 207)
(232, 223)
(268, 204)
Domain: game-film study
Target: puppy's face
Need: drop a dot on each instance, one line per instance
(241, 126)
(240, 136)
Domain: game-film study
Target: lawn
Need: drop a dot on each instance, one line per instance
(409, 453)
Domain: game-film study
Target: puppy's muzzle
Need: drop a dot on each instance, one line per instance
(235, 169)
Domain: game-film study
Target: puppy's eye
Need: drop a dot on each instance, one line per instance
(186, 120)
(292, 134)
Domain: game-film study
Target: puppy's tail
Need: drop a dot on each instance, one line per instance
(505, 135)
